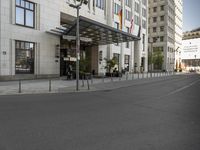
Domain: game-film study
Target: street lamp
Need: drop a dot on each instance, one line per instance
(77, 7)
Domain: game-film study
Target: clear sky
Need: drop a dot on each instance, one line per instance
(191, 14)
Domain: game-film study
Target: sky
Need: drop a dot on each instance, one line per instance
(191, 14)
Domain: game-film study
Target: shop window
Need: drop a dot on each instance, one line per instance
(24, 57)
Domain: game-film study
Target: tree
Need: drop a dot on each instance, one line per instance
(156, 58)
(110, 63)
(84, 65)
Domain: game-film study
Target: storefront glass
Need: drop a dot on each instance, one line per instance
(24, 62)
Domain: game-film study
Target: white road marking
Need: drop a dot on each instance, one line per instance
(183, 88)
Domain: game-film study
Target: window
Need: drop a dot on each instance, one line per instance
(155, 39)
(100, 55)
(116, 25)
(24, 57)
(154, 19)
(128, 15)
(144, 12)
(137, 7)
(143, 24)
(116, 56)
(128, 3)
(127, 30)
(144, 2)
(136, 20)
(25, 13)
(154, 29)
(126, 59)
(117, 8)
(143, 41)
(161, 38)
(100, 4)
(162, 28)
(155, 9)
(162, 18)
(162, 7)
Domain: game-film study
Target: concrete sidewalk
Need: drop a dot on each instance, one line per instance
(64, 86)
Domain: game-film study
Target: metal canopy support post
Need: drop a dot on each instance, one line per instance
(78, 7)
(77, 50)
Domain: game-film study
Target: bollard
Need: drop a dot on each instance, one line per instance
(83, 84)
(126, 76)
(143, 75)
(103, 78)
(20, 87)
(91, 79)
(132, 76)
(88, 84)
(49, 85)
(138, 75)
(111, 79)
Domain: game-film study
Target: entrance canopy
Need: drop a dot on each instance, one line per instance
(94, 33)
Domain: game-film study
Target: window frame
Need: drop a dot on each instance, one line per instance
(24, 10)
(24, 49)
(100, 4)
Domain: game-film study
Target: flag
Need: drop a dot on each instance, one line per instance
(132, 25)
(120, 19)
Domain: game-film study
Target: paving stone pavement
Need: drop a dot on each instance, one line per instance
(64, 86)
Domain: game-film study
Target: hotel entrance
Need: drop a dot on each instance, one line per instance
(68, 59)
(92, 35)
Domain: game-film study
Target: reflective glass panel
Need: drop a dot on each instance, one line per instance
(22, 3)
(29, 18)
(31, 6)
(19, 16)
(18, 2)
(24, 63)
(27, 5)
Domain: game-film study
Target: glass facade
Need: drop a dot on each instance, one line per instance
(24, 57)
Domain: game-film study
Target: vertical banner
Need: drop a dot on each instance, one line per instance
(120, 19)
(132, 25)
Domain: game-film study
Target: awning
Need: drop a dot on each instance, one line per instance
(98, 33)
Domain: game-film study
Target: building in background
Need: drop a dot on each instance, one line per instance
(37, 37)
(190, 55)
(178, 33)
(165, 30)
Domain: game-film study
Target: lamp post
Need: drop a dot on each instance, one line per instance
(78, 7)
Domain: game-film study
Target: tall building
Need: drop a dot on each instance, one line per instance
(37, 38)
(165, 29)
(178, 32)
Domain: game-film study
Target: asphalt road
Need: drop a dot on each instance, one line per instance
(155, 115)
